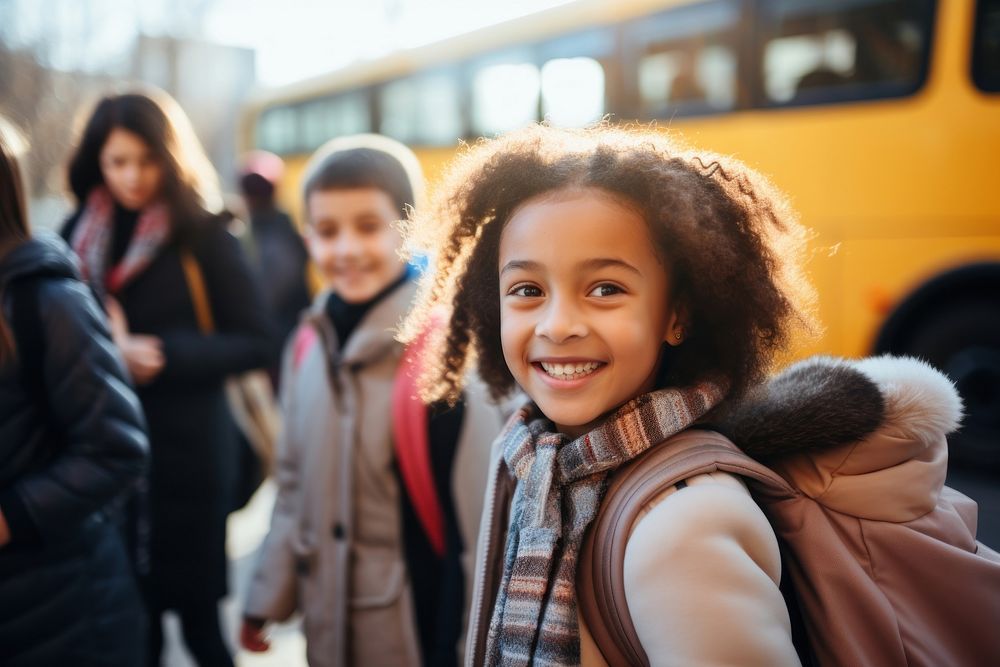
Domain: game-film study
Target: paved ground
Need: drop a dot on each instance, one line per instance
(248, 527)
(246, 530)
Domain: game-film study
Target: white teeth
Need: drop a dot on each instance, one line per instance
(569, 371)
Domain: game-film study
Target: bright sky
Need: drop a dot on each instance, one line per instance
(294, 39)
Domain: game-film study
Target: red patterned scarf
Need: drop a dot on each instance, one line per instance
(560, 484)
(91, 240)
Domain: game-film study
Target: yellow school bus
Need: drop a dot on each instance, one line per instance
(880, 118)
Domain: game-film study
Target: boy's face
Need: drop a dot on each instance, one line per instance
(353, 241)
(584, 305)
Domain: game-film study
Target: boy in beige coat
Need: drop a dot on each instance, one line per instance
(374, 526)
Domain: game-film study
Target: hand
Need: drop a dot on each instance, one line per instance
(143, 354)
(252, 635)
(117, 320)
(4, 530)
(143, 357)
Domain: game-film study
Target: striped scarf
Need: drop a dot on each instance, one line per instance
(560, 484)
(91, 240)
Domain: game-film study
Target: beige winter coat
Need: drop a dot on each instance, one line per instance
(863, 442)
(716, 534)
(334, 551)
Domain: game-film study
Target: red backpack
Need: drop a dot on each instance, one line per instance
(410, 436)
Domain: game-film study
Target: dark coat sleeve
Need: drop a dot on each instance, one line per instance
(102, 444)
(243, 337)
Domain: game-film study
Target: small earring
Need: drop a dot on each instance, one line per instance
(679, 334)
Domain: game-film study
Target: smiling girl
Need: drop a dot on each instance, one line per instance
(629, 288)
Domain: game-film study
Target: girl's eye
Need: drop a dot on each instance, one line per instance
(606, 289)
(525, 290)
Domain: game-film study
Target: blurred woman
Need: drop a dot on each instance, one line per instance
(72, 439)
(152, 251)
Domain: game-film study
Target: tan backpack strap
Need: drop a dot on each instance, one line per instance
(199, 294)
(602, 558)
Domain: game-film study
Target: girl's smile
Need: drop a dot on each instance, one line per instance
(567, 373)
(582, 322)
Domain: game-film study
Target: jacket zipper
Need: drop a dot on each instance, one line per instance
(479, 589)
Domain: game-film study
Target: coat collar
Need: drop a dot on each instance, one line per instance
(848, 429)
(43, 254)
(375, 335)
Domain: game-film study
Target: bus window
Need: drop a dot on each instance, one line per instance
(424, 111)
(317, 123)
(397, 103)
(986, 49)
(351, 113)
(686, 60)
(440, 105)
(574, 76)
(813, 53)
(276, 131)
(504, 97)
(692, 77)
(572, 91)
(325, 119)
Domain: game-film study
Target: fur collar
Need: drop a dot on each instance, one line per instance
(823, 402)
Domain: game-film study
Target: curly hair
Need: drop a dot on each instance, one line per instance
(732, 244)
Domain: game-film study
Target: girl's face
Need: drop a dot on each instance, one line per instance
(584, 305)
(353, 241)
(131, 171)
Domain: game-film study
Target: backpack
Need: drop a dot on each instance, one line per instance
(411, 440)
(941, 605)
(249, 396)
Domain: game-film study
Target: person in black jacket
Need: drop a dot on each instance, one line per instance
(280, 257)
(145, 243)
(72, 440)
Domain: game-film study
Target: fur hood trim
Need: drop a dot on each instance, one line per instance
(824, 402)
(920, 401)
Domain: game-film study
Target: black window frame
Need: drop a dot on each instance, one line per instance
(634, 42)
(871, 92)
(985, 81)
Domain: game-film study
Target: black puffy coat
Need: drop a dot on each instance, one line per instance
(72, 439)
(280, 261)
(192, 434)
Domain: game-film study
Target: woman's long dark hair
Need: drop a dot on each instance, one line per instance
(189, 183)
(14, 228)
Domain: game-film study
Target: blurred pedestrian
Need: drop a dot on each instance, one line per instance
(278, 253)
(379, 496)
(279, 259)
(72, 440)
(152, 251)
